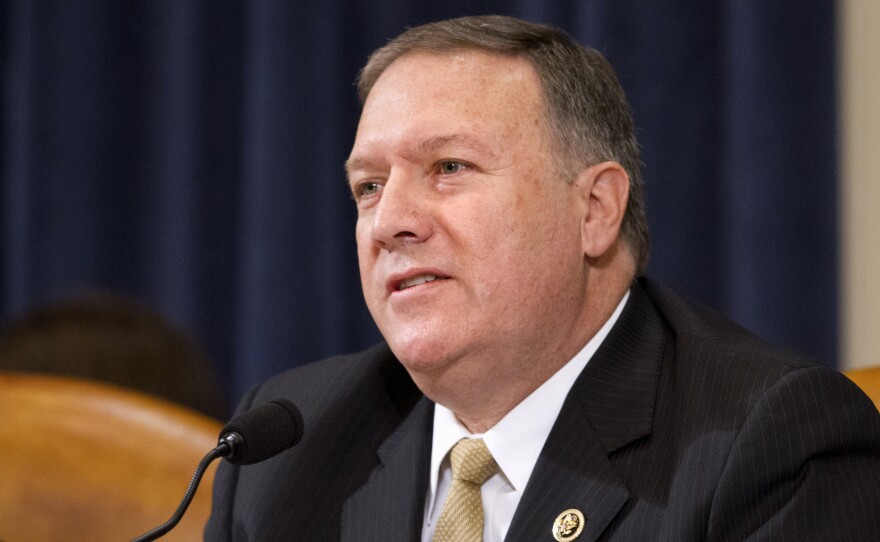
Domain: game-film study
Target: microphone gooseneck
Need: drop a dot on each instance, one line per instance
(256, 435)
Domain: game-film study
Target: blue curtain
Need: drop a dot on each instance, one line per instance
(189, 153)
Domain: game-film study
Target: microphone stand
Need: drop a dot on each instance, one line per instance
(280, 414)
(222, 449)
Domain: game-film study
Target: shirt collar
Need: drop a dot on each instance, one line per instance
(517, 439)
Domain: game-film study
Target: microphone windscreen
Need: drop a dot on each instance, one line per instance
(267, 430)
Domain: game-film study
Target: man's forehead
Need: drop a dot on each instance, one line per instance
(453, 74)
(420, 84)
(485, 61)
(468, 100)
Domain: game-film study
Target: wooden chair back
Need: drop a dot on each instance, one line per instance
(83, 461)
(869, 380)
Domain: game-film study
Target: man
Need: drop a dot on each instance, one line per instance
(500, 231)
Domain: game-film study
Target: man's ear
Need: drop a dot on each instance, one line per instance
(604, 192)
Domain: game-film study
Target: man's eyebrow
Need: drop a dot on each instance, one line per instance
(428, 146)
(355, 163)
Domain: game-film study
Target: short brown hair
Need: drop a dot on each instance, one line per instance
(590, 119)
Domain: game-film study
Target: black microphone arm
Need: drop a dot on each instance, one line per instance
(256, 435)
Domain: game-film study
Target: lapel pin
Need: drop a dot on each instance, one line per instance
(568, 525)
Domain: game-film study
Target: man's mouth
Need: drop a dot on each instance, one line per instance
(415, 281)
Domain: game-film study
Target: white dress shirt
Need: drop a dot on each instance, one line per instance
(515, 442)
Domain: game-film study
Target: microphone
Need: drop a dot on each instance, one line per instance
(262, 432)
(251, 437)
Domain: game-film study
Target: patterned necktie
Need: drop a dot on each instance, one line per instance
(461, 519)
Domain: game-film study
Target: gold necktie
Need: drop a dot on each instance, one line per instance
(461, 519)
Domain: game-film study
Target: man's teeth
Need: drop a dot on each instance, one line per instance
(415, 281)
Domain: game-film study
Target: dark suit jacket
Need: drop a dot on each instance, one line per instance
(683, 426)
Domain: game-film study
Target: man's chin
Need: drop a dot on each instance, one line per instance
(421, 356)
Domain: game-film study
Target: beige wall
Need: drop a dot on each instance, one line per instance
(860, 175)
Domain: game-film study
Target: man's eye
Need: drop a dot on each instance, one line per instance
(450, 167)
(367, 189)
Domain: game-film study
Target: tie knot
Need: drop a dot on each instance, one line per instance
(471, 461)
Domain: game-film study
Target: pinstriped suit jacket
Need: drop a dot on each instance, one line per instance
(682, 427)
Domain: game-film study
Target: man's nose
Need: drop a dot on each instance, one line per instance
(401, 216)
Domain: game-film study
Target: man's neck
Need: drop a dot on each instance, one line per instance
(480, 399)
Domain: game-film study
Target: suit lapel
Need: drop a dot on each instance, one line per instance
(610, 406)
(390, 506)
(573, 471)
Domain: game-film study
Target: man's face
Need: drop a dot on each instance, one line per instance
(469, 245)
